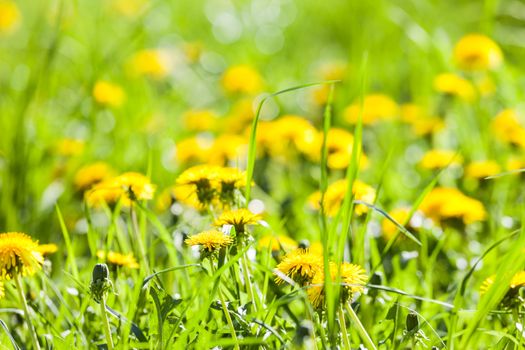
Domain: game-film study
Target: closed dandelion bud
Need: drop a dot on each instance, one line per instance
(412, 323)
(100, 272)
(100, 283)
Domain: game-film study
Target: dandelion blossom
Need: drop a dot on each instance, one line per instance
(19, 255)
(242, 79)
(118, 259)
(108, 94)
(353, 279)
(300, 265)
(238, 218)
(210, 241)
(477, 52)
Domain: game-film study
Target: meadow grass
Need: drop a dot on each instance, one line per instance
(261, 175)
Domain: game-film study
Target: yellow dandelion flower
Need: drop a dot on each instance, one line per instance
(118, 259)
(439, 158)
(201, 179)
(47, 249)
(477, 52)
(92, 174)
(129, 187)
(69, 147)
(507, 127)
(449, 203)
(512, 297)
(193, 150)
(515, 163)
(376, 107)
(339, 145)
(299, 265)
(200, 120)
(108, 94)
(242, 79)
(228, 148)
(335, 194)
(428, 125)
(276, 243)
(152, 63)
(238, 218)
(481, 169)
(211, 240)
(9, 16)
(454, 85)
(19, 255)
(353, 278)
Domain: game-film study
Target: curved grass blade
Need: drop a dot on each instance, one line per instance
(11, 338)
(253, 132)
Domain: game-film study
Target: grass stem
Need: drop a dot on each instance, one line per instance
(22, 296)
(360, 329)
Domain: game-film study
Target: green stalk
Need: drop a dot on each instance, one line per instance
(22, 296)
(225, 311)
(365, 337)
(105, 321)
(138, 238)
(344, 333)
(246, 276)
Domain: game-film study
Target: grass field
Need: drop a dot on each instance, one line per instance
(227, 174)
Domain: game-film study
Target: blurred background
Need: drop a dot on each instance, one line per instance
(124, 81)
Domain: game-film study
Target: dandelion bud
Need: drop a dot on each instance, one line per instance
(412, 323)
(100, 272)
(100, 283)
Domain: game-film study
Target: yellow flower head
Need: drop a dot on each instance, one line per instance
(9, 16)
(238, 218)
(376, 107)
(92, 174)
(339, 145)
(108, 94)
(200, 120)
(118, 259)
(46, 249)
(454, 85)
(507, 127)
(69, 147)
(285, 135)
(19, 255)
(481, 169)
(449, 203)
(242, 79)
(335, 194)
(194, 149)
(228, 148)
(353, 278)
(276, 243)
(511, 297)
(210, 240)
(299, 265)
(151, 63)
(202, 179)
(438, 158)
(129, 187)
(477, 52)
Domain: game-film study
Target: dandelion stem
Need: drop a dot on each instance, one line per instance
(34, 337)
(344, 333)
(138, 238)
(360, 329)
(226, 312)
(247, 281)
(107, 329)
